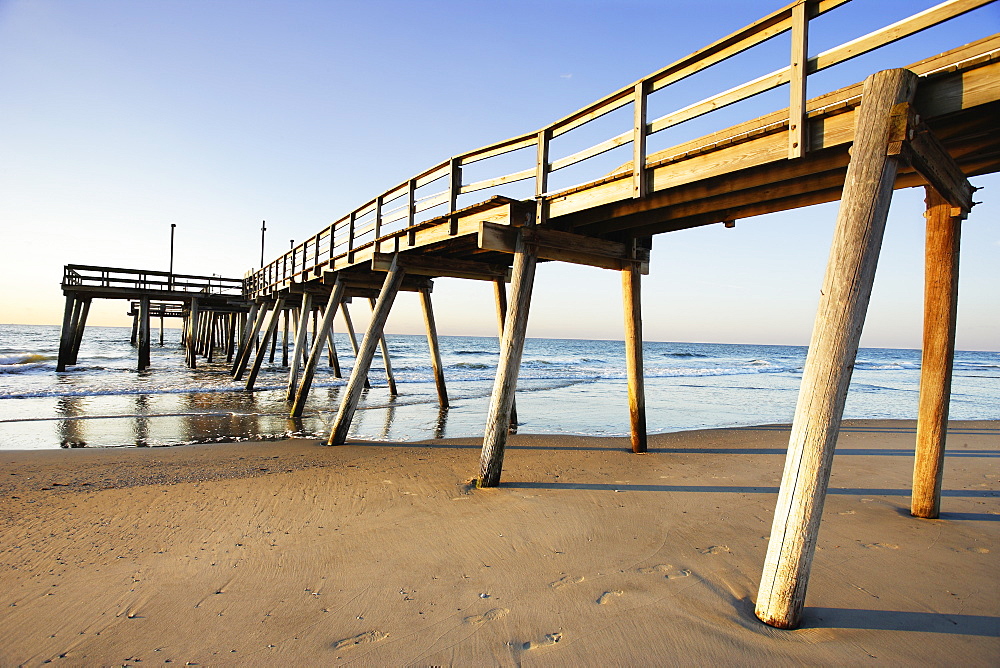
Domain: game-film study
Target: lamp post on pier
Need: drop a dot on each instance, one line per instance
(170, 279)
(262, 230)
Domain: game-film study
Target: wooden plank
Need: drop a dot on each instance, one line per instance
(430, 265)
(499, 148)
(631, 298)
(511, 348)
(797, 82)
(499, 180)
(596, 149)
(557, 245)
(832, 350)
(542, 176)
(433, 348)
(352, 393)
(933, 162)
(940, 313)
(432, 174)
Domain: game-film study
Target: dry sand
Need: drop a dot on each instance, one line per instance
(380, 554)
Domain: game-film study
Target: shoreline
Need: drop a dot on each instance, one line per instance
(380, 553)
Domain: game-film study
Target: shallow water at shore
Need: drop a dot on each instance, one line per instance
(566, 387)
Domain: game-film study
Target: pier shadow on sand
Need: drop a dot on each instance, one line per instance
(723, 489)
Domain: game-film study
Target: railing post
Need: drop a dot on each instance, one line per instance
(639, 142)
(350, 238)
(542, 175)
(411, 210)
(797, 81)
(454, 185)
(378, 221)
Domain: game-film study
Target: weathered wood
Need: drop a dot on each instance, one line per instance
(797, 81)
(134, 339)
(832, 350)
(191, 333)
(940, 313)
(300, 345)
(562, 246)
(429, 265)
(352, 336)
(639, 182)
(511, 348)
(243, 359)
(932, 161)
(143, 362)
(248, 331)
(231, 326)
(67, 334)
(352, 393)
(302, 391)
(631, 298)
(390, 379)
(258, 361)
(284, 338)
(331, 352)
(433, 348)
(78, 327)
(500, 298)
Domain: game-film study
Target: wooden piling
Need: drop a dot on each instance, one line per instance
(500, 293)
(243, 357)
(433, 348)
(940, 313)
(78, 327)
(331, 346)
(352, 337)
(250, 321)
(284, 338)
(230, 337)
(319, 340)
(134, 339)
(67, 334)
(192, 344)
(258, 360)
(352, 393)
(827, 372)
(511, 348)
(631, 295)
(389, 378)
(300, 346)
(143, 362)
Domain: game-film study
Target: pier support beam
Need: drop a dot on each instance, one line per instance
(363, 361)
(827, 373)
(511, 348)
(353, 337)
(258, 361)
(143, 334)
(500, 292)
(68, 333)
(298, 353)
(249, 322)
(940, 312)
(633, 356)
(389, 378)
(78, 327)
(433, 348)
(243, 357)
(191, 334)
(302, 392)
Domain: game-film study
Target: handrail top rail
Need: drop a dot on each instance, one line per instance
(145, 272)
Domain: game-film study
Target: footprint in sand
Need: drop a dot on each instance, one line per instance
(361, 639)
(488, 616)
(549, 640)
(880, 546)
(716, 549)
(979, 550)
(683, 573)
(658, 568)
(568, 580)
(609, 596)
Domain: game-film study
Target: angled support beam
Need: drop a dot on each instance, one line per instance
(433, 348)
(389, 378)
(78, 328)
(631, 298)
(258, 361)
(255, 320)
(352, 335)
(352, 394)
(302, 392)
(500, 293)
(68, 334)
(940, 313)
(511, 348)
(298, 353)
(827, 373)
(191, 334)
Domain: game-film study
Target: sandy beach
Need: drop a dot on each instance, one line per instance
(284, 553)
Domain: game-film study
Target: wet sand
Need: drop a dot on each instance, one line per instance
(381, 554)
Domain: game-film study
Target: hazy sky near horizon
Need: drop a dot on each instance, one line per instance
(118, 118)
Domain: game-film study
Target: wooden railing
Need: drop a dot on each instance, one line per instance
(396, 210)
(86, 276)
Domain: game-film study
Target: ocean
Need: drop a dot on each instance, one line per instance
(566, 386)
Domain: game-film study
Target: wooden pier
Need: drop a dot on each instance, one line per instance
(930, 125)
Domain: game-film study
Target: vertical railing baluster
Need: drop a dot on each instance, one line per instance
(411, 210)
(350, 237)
(639, 141)
(797, 81)
(542, 175)
(454, 185)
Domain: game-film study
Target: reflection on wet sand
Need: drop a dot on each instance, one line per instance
(216, 416)
(71, 431)
(140, 421)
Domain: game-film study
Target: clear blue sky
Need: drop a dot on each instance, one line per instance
(119, 117)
